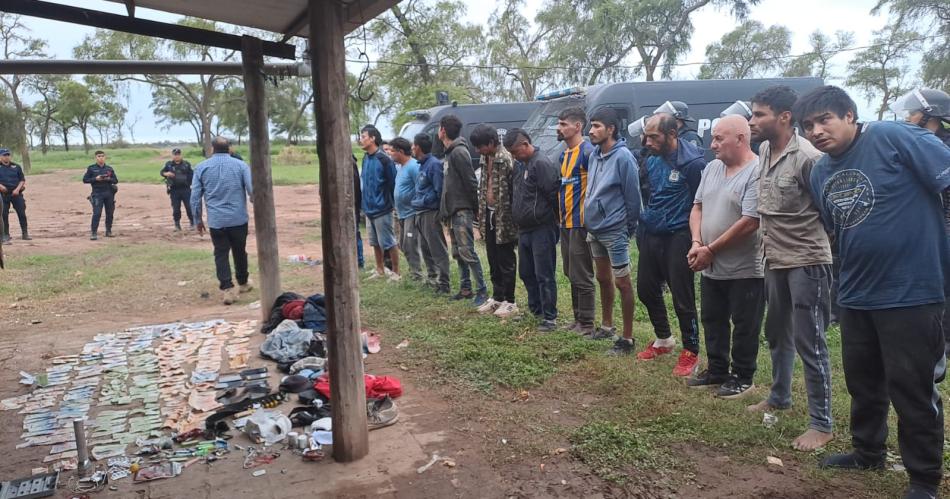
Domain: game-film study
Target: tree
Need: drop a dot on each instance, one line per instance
(930, 18)
(10, 133)
(78, 108)
(520, 48)
(44, 110)
(823, 49)
(18, 45)
(881, 69)
(748, 51)
(288, 104)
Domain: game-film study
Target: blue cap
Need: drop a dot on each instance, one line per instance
(4, 151)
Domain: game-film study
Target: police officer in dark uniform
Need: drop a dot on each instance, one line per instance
(680, 111)
(178, 175)
(927, 108)
(103, 180)
(12, 183)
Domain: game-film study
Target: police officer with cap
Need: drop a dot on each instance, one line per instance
(12, 183)
(178, 175)
(103, 180)
(680, 111)
(927, 108)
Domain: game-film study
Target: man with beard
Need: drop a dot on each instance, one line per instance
(680, 111)
(674, 171)
(797, 265)
(612, 210)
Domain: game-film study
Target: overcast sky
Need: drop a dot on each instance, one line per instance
(801, 17)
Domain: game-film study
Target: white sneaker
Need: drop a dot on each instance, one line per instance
(489, 306)
(388, 272)
(506, 309)
(394, 277)
(374, 275)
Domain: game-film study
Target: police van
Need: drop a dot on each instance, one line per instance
(706, 100)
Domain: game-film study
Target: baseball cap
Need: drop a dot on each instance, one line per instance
(176, 151)
(4, 151)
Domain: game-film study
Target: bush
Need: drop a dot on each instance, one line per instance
(293, 155)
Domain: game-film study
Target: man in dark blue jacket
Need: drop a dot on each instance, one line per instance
(379, 183)
(674, 172)
(103, 180)
(178, 175)
(426, 202)
(12, 183)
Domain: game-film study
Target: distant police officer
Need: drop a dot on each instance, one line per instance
(178, 174)
(12, 183)
(103, 180)
(680, 111)
(926, 108)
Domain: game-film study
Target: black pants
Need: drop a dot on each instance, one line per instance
(743, 302)
(896, 355)
(501, 266)
(663, 259)
(230, 240)
(537, 251)
(99, 201)
(19, 205)
(181, 197)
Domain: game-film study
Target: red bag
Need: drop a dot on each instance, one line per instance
(293, 310)
(376, 386)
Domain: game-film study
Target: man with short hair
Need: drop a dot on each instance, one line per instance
(611, 213)
(685, 131)
(495, 220)
(178, 175)
(878, 189)
(103, 180)
(674, 171)
(12, 184)
(379, 183)
(426, 202)
(724, 225)
(577, 262)
(460, 207)
(406, 178)
(534, 210)
(224, 182)
(797, 265)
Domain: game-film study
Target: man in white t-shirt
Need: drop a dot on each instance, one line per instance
(726, 247)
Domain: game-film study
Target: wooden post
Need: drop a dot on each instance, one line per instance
(265, 217)
(341, 286)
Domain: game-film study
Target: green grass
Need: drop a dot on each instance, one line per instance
(142, 164)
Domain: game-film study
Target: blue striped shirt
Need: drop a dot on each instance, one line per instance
(225, 184)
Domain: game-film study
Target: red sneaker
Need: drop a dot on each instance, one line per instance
(686, 365)
(651, 352)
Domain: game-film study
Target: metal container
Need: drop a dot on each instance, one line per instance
(303, 442)
(292, 439)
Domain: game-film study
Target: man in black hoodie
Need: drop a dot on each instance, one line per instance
(459, 207)
(535, 186)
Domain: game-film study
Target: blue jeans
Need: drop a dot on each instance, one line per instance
(537, 250)
(463, 250)
(359, 246)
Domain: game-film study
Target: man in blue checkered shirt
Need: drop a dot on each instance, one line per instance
(224, 183)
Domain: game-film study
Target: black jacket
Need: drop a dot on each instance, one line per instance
(103, 186)
(534, 192)
(183, 174)
(460, 187)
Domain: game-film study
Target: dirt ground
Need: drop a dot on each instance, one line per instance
(476, 431)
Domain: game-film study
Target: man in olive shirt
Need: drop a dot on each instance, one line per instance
(798, 265)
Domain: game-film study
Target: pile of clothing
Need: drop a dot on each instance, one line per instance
(309, 313)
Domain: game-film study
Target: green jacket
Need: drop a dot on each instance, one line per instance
(501, 171)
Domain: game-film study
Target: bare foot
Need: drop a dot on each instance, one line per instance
(811, 440)
(763, 406)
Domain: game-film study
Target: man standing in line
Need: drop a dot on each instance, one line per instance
(225, 185)
(495, 219)
(674, 171)
(879, 188)
(379, 184)
(178, 175)
(103, 180)
(575, 251)
(460, 207)
(426, 202)
(611, 213)
(797, 265)
(680, 111)
(726, 246)
(534, 209)
(406, 179)
(12, 183)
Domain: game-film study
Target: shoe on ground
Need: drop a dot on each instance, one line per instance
(687, 364)
(5, 238)
(850, 461)
(480, 299)
(93, 237)
(246, 287)
(734, 388)
(229, 296)
(547, 326)
(917, 491)
(177, 227)
(572, 327)
(26, 237)
(463, 295)
(381, 413)
(393, 277)
(706, 380)
(506, 309)
(602, 333)
(489, 306)
(442, 292)
(375, 275)
(109, 233)
(622, 346)
(652, 351)
(585, 330)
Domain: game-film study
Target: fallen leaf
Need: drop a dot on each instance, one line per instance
(774, 460)
(559, 450)
(403, 344)
(448, 462)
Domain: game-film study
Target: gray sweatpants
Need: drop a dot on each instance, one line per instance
(409, 244)
(433, 248)
(798, 309)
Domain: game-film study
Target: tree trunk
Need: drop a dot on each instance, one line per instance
(21, 127)
(206, 132)
(414, 47)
